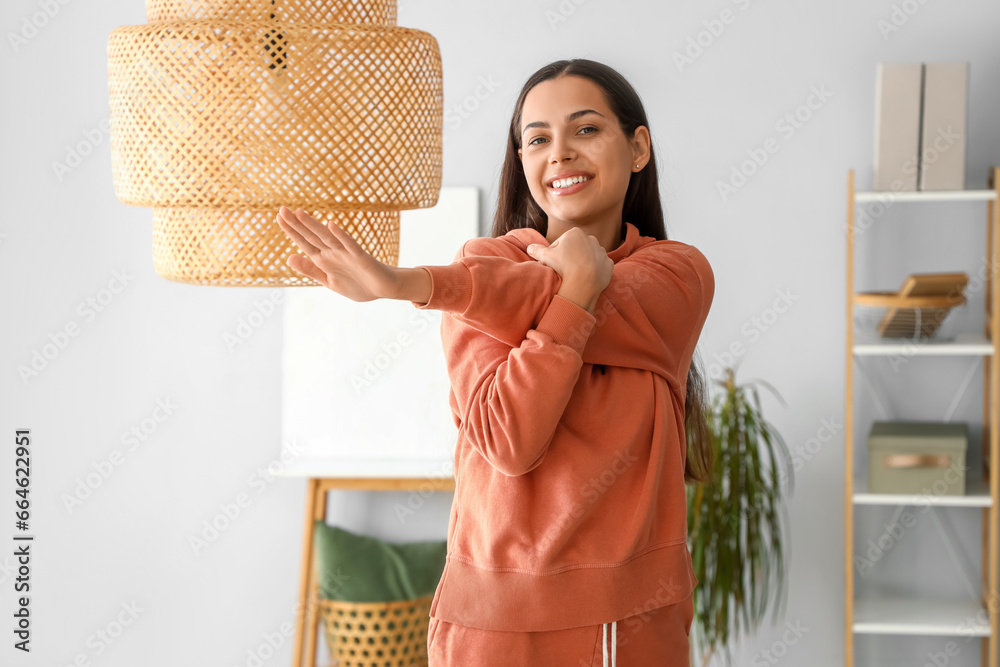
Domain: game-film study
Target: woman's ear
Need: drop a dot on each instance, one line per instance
(640, 146)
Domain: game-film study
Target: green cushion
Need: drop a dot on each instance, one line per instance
(358, 568)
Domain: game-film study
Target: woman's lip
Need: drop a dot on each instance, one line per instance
(576, 187)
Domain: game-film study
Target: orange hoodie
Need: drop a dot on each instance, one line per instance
(570, 505)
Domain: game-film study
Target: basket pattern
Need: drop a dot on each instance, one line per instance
(348, 124)
(375, 12)
(237, 248)
(377, 634)
(887, 315)
(221, 114)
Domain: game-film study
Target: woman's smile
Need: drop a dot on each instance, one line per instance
(571, 189)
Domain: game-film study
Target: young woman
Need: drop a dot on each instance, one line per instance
(569, 336)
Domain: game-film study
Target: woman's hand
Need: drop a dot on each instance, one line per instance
(582, 263)
(335, 259)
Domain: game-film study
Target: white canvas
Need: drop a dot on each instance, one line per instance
(367, 381)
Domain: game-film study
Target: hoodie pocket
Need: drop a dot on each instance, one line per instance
(432, 626)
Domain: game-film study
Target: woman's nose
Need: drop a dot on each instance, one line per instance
(560, 150)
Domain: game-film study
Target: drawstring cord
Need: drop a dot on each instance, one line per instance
(604, 644)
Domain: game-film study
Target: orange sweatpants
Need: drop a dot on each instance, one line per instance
(658, 637)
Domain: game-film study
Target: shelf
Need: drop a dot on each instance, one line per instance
(370, 468)
(937, 195)
(964, 344)
(977, 494)
(902, 611)
(909, 615)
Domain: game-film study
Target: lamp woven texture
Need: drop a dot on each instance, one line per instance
(224, 112)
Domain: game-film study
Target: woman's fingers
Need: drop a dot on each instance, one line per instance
(316, 232)
(316, 235)
(292, 229)
(297, 220)
(306, 267)
(309, 229)
(346, 240)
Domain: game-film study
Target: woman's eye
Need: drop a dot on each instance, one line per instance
(588, 127)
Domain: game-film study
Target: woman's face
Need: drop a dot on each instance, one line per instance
(568, 128)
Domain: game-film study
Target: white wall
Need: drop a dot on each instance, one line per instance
(63, 239)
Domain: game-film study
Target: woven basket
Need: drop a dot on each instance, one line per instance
(375, 12)
(887, 315)
(232, 248)
(223, 111)
(376, 634)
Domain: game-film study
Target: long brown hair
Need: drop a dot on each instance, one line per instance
(516, 209)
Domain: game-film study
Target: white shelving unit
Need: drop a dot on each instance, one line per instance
(977, 494)
(965, 344)
(907, 616)
(901, 614)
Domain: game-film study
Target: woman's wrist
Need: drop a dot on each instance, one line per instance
(411, 284)
(580, 294)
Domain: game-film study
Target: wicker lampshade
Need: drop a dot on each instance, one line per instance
(223, 111)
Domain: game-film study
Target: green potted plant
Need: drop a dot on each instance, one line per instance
(735, 521)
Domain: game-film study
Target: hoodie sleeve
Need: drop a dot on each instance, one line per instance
(507, 401)
(514, 350)
(663, 292)
(495, 295)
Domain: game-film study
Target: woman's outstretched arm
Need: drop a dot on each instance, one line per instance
(510, 296)
(507, 399)
(496, 294)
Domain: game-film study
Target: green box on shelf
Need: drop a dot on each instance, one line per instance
(917, 457)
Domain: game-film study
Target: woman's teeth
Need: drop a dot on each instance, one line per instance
(566, 182)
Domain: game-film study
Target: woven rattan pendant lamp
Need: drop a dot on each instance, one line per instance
(223, 111)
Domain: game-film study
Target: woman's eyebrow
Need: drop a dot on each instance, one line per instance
(569, 119)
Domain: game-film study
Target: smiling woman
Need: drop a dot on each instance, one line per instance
(578, 160)
(569, 337)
